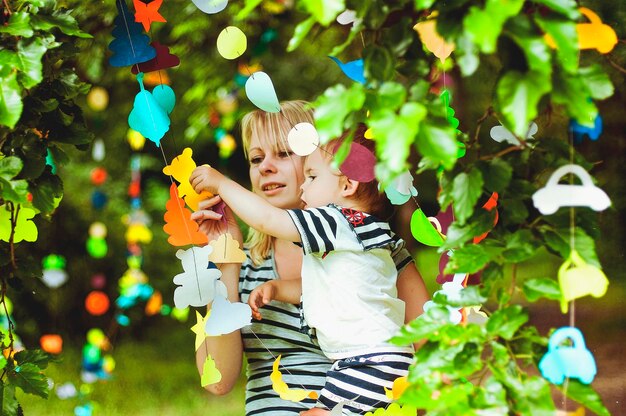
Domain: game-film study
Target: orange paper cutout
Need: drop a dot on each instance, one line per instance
(181, 168)
(146, 13)
(427, 31)
(181, 229)
(491, 204)
(153, 306)
(593, 35)
(283, 390)
(226, 250)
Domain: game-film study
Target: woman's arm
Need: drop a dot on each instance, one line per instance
(412, 290)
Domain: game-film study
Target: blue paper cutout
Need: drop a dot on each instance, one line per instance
(562, 361)
(147, 116)
(130, 45)
(260, 90)
(98, 199)
(580, 131)
(395, 197)
(352, 69)
(164, 95)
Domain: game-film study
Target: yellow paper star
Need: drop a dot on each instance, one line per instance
(198, 328)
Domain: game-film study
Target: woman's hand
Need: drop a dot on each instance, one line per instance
(214, 223)
(261, 296)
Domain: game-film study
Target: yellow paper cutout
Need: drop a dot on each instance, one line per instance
(394, 409)
(285, 393)
(25, 229)
(369, 134)
(210, 373)
(138, 233)
(399, 385)
(181, 168)
(593, 35)
(198, 328)
(581, 280)
(427, 31)
(578, 412)
(226, 250)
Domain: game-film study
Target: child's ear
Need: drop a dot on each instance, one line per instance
(349, 187)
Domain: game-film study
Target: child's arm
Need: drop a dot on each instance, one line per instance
(288, 291)
(251, 208)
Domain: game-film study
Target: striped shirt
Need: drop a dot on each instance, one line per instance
(303, 364)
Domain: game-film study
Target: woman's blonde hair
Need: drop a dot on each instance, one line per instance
(272, 127)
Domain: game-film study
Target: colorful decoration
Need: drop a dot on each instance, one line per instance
(129, 46)
(399, 386)
(353, 69)
(210, 6)
(563, 361)
(401, 188)
(592, 35)
(181, 168)
(25, 228)
(394, 409)
(148, 116)
(146, 13)
(210, 373)
(135, 140)
(578, 279)
(227, 317)
(427, 31)
(96, 243)
(181, 229)
(452, 291)
(303, 139)
(198, 329)
(98, 99)
(579, 131)
(554, 195)
(54, 274)
(196, 285)
(502, 134)
(231, 42)
(51, 343)
(260, 91)
(98, 151)
(226, 250)
(97, 303)
(283, 390)
(163, 59)
(154, 304)
(423, 230)
(346, 17)
(490, 205)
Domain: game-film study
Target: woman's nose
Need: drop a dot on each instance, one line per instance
(267, 165)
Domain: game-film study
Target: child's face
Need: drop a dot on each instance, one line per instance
(275, 172)
(322, 184)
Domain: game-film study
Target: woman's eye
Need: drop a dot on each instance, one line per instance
(284, 154)
(256, 160)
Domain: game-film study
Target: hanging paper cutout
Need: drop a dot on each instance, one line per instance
(424, 231)
(51, 343)
(140, 233)
(337, 410)
(394, 409)
(25, 228)
(359, 164)
(154, 304)
(163, 59)
(98, 99)
(452, 291)
(181, 168)
(502, 134)
(146, 13)
(135, 140)
(578, 279)
(283, 390)
(554, 195)
(197, 282)
(165, 97)
(346, 17)
(427, 31)
(563, 361)
(98, 151)
(66, 391)
(210, 373)
(54, 274)
(227, 317)
(491, 204)
(260, 91)
(352, 69)
(476, 316)
(226, 250)
(147, 116)
(399, 386)
(581, 131)
(401, 189)
(198, 329)
(578, 412)
(179, 226)
(231, 42)
(210, 6)
(303, 139)
(130, 45)
(592, 35)
(97, 303)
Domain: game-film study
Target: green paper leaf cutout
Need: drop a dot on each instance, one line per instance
(424, 231)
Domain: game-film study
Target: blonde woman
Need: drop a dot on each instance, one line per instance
(276, 175)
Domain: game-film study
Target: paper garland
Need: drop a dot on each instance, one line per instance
(562, 361)
(283, 390)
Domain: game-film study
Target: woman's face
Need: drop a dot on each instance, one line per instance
(275, 172)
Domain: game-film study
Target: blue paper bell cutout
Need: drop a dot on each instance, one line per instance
(580, 131)
(562, 361)
(352, 69)
(147, 116)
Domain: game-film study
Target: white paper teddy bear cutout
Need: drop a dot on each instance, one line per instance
(197, 282)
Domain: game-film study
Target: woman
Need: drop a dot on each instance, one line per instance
(276, 174)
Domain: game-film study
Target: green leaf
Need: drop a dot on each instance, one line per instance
(378, 64)
(356, 29)
(466, 189)
(10, 166)
(468, 259)
(520, 246)
(391, 95)
(480, 223)
(423, 4)
(438, 143)
(587, 396)
(536, 51)
(469, 296)
(248, 8)
(518, 95)
(30, 379)
(596, 81)
(542, 287)
(12, 190)
(332, 107)
(418, 329)
(324, 11)
(484, 25)
(565, 37)
(497, 174)
(19, 25)
(8, 401)
(46, 189)
(572, 92)
(29, 55)
(568, 8)
(299, 33)
(505, 322)
(10, 101)
(36, 357)
(66, 23)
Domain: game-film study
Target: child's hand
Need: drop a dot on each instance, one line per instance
(205, 178)
(261, 296)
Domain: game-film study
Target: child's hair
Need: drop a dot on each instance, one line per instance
(276, 127)
(367, 193)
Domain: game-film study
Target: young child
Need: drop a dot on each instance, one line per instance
(348, 286)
